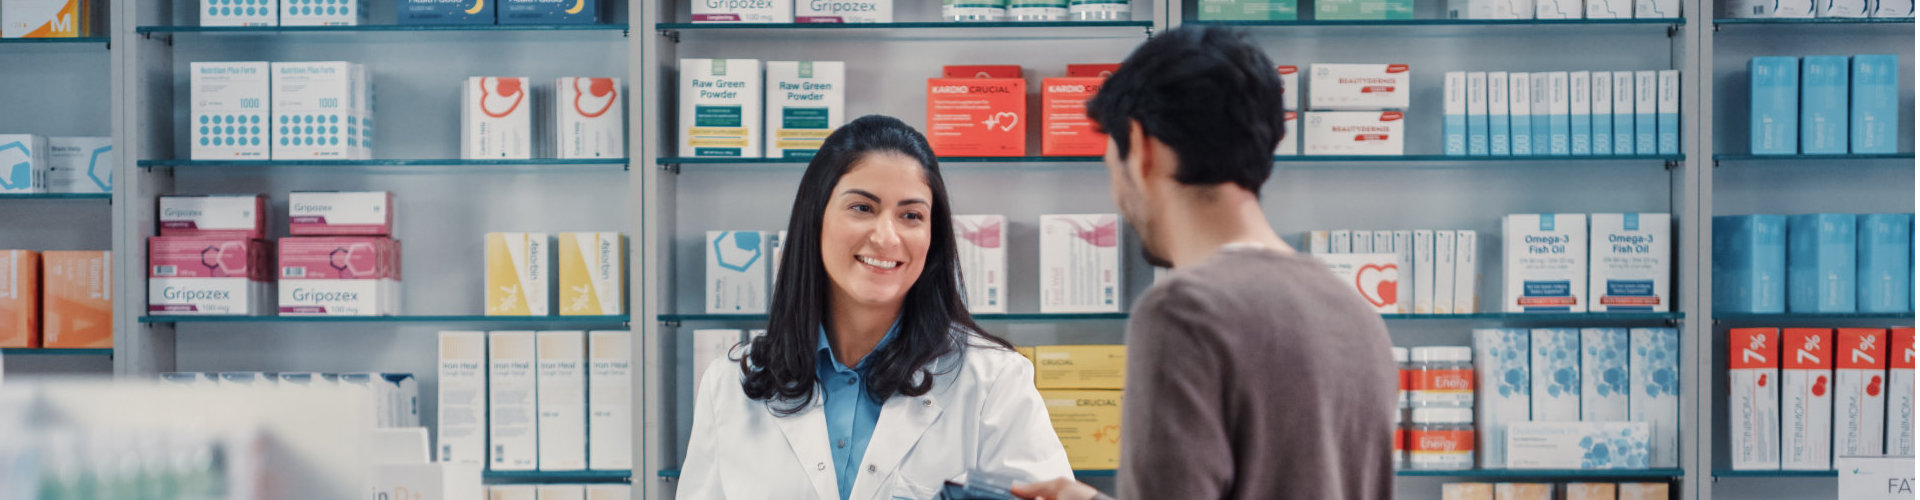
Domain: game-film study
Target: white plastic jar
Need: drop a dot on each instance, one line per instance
(1441, 439)
(1443, 377)
(1101, 10)
(973, 10)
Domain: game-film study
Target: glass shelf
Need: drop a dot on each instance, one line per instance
(1435, 159)
(535, 164)
(85, 39)
(56, 196)
(1817, 20)
(686, 318)
(379, 27)
(1454, 28)
(38, 351)
(504, 320)
(1452, 22)
(937, 30)
(1548, 473)
(1719, 473)
(1558, 317)
(1747, 317)
(1812, 158)
(578, 476)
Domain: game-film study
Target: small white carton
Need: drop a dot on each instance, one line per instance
(737, 276)
(1502, 379)
(1623, 113)
(1341, 241)
(78, 164)
(1753, 405)
(1609, 9)
(983, 261)
(1290, 87)
(562, 492)
(1573, 445)
(1646, 98)
(1558, 9)
(1499, 126)
(1556, 374)
(1403, 259)
(323, 13)
(239, 13)
(1362, 241)
(1354, 133)
(1843, 8)
(1372, 275)
(318, 111)
(462, 412)
(1423, 272)
(513, 436)
(1655, 397)
(1603, 374)
(1520, 113)
(562, 383)
(1631, 262)
(1466, 272)
(1580, 113)
(322, 213)
(1893, 8)
(1443, 271)
(720, 107)
(1080, 263)
(1454, 114)
(590, 118)
(1860, 398)
(24, 160)
(1360, 87)
(1477, 113)
(230, 104)
(806, 101)
(496, 118)
(743, 11)
(610, 400)
(1656, 9)
(1318, 242)
(1602, 116)
(1545, 263)
(710, 345)
(1806, 399)
(842, 11)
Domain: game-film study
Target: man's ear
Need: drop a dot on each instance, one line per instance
(1141, 149)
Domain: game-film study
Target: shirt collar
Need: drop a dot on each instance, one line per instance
(825, 348)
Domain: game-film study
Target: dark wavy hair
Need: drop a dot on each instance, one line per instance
(934, 321)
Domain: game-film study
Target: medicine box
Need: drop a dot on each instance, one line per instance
(78, 164)
(1498, 142)
(1630, 262)
(1656, 9)
(609, 492)
(319, 213)
(1466, 272)
(19, 298)
(1668, 109)
(1603, 374)
(1290, 88)
(462, 411)
(983, 261)
(981, 71)
(1501, 360)
(806, 100)
(1806, 404)
(1860, 404)
(1591, 491)
(1080, 263)
(1776, 105)
(1559, 9)
(1453, 117)
(1542, 111)
(1892, 8)
(513, 437)
(239, 13)
(1655, 394)
(1423, 272)
(209, 276)
(1522, 491)
(24, 161)
(1080, 366)
(710, 346)
(321, 111)
(1289, 144)
(339, 276)
(1843, 8)
(1609, 9)
(48, 19)
(1900, 393)
(1646, 129)
(1403, 262)
(1580, 113)
(1545, 263)
(1065, 129)
(323, 12)
(1823, 105)
(1623, 117)
(1374, 276)
(1602, 117)
(1556, 374)
(1579, 445)
(544, 12)
(1874, 122)
(1644, 491)
(1520, 113)
(1354, 133)
(562, 380)
(1360, 241)
(1360, 87)
(720, 113)
(229, 119)
(1494, 9)
(496, 118)
(609, 400)
(513, 492)
(306, 379)
(1559, 113)
(214, 216)
(1750, 264)
(446, 11)
(1340, 241)
(742, 11)
(1444, 263)
(1088, 424)
(519, 277)
(1822, 263)
(589, 118)
(841, 11)
(1885, 280)
(593, 271)
(1477, 113)
(977, 116)
(1249, 10)
(77, 301)
(562, 492)
(737, 277)
(1466, 491)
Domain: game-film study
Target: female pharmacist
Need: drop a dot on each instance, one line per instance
(872, 380)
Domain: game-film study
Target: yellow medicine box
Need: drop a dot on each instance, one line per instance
(1080, 366)
(1088, 423)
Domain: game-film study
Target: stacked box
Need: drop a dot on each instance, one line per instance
(1630, 262)
(593, 274)
(1080, 263)
(323, 12)
(518, 274)
(1750, 264)
(610, 400)
(209, 276)
(1874, 116)
(1822, 263)
(1501, 374)
(496, 118)
(1655, 398)
(552, 11)
(1604, 374)
(1885, 281)
(339, 276)
(445, 12)
(983, 261)
(19, 298)
(589, 118)
(462, 430)
(562, 388)
(1806, 404)
(1860, 398)
(1823, 105)
(1546, 263)
(1556, 374)
(1754, 404)
(1776, 105)
(77, 302)
(513, 439)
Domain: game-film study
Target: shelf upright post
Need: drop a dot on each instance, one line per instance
(142, 128)
(650, 60)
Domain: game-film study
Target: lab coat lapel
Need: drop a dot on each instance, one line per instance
(902, 421)
(806, 433)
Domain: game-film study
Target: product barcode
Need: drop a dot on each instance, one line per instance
(164, 270)
(293, 272)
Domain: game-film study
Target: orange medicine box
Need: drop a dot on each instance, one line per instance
(981, 71)
(1065, 128)
(19, 298)
(977, 116)
(1091, 70)
(78, 307)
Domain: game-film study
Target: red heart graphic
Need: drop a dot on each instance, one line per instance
(1763, 380)
(1873, 387)
(1385, 292)
(1820, 386)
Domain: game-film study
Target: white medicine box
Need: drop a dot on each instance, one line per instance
(239, 12)
(1354, 133)
(320, 111)
(24, 162)
(983, 261)
(1545, 263)
(1631, 261)
(1360, 87)
(738, 281)
(496, 118)
(590, 118)
(229, 117)
(1080, 263)
(323, 12)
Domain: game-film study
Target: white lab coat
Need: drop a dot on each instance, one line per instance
(984, 416)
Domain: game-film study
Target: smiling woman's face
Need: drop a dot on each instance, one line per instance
(878, 225)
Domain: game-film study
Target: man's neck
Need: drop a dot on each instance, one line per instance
(1200, 226)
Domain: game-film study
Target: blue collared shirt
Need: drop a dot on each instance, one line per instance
(851, 413)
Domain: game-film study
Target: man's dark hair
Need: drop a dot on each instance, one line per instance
(1204, 91)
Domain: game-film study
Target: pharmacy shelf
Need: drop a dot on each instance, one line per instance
(39, 351)
(1088, 473)
(916, 30)
(578, 476)
(1555, 23)
(355, 165)
(762, 318)
(1453, 28)
(1545, 317)
(804, 161)
(1804, 317)
(27, 41)
(1814, 20)
(1548, 473)
(56, 196)
(379, 28)
(1729, 473)
(499, 320)
(1664, 159)
(1809, 158)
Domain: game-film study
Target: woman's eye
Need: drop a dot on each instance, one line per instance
(862, 208)
(915, 216)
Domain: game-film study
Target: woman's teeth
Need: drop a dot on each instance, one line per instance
(883, 264)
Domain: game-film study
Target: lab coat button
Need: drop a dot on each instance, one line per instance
(871, 468)
(820, 466)
(926, 403)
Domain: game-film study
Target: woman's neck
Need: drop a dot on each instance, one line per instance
(855, 329)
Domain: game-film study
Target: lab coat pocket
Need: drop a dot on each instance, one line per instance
(902, 488)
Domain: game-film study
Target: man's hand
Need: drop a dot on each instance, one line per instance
(1058, 489)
